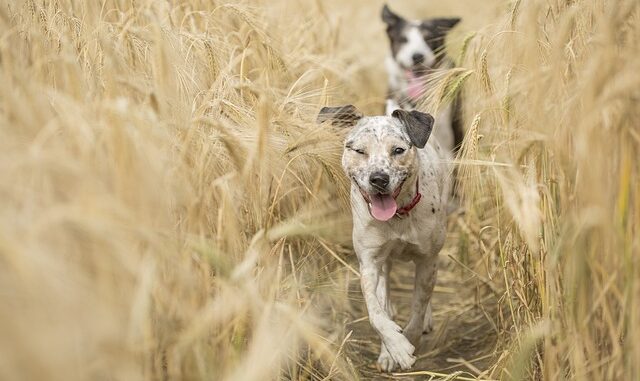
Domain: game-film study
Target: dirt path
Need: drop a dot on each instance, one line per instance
(463, 338)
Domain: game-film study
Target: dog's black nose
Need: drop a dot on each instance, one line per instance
(379, 180)
(418, 58)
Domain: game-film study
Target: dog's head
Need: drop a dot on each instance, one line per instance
(416, 45)
(380, 152)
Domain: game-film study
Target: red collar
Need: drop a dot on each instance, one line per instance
(416, 199)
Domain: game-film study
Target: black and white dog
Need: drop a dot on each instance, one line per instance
(417, 47)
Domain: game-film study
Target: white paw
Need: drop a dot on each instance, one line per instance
(385, 362)
(427, 327)
(400, 349)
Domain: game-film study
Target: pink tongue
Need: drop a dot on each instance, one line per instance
(383, 207)
(416, 85)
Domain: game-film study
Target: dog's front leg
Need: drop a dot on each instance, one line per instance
(398, 347)
(425, 280)
(382, 289)
(385, 361)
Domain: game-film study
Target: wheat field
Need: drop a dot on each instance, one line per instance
(169, 210)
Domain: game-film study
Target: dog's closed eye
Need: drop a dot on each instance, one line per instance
(349, 146)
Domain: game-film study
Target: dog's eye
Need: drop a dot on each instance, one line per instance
(398, 151)
(360, 151)
(403, 40)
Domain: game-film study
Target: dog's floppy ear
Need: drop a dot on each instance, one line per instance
(344, 116)
(417, 124)
(443, 25)
(389, 17)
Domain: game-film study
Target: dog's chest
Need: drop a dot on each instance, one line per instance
(414, 233)
(401, 250)
(405, 229)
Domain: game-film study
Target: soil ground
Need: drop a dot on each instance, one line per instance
(464, 334)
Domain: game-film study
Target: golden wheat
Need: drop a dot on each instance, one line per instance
(170, 210)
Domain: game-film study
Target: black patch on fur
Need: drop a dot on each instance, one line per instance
(395, 29)
(417, 124)
(456, 123)
(389, 17)
(433, 210)
(343, 116)
(434, 32)
(458, 137)
(443, 25)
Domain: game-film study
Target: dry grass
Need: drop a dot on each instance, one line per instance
(557, 102)
(169, 210)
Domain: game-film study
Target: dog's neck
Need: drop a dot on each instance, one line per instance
(408, 192)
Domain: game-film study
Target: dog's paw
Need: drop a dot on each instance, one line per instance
(400, 350)
(385, 362)
(427, 326)
(398, 346)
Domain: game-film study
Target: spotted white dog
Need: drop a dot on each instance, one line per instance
(399, 191)
(417, 48)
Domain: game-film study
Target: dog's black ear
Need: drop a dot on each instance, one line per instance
(443, 25)
(389, 17)
(417, 124)
(344, 116)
